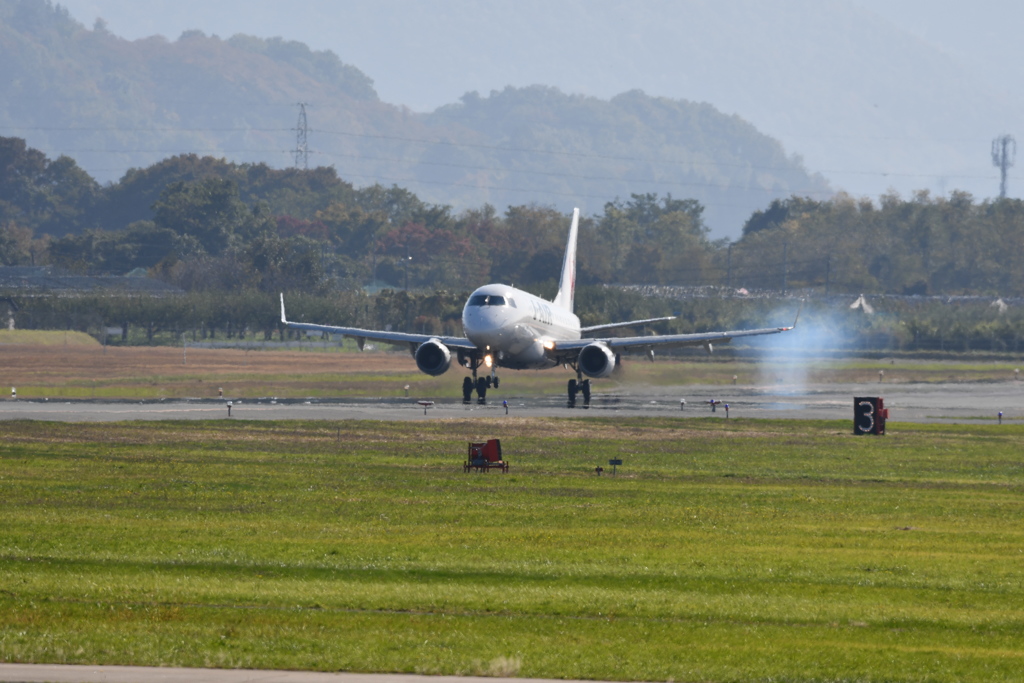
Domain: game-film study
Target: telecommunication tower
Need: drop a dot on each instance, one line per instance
(1004, 153)
(302, 139)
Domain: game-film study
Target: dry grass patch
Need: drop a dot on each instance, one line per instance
(34, 339)
(159, 371)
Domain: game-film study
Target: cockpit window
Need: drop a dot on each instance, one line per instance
(511, 302)
(485, 300)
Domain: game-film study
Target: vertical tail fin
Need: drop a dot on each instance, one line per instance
(567, 283)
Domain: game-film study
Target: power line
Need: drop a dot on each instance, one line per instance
(694, 164)
(421, 141)
(638, 181)
(178, 152)
(533, 191)
(551, 174)
(147, 129)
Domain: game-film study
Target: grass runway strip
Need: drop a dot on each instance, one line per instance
(723, 551)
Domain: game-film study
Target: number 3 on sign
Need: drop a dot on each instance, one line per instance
(868, 415)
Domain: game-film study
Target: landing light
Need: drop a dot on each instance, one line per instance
(549, 345)
(488, 361)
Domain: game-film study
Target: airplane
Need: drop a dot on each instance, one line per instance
(510, 328)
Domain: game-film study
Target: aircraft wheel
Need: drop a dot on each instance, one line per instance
(585, 388)
(496, 380)
(467, 389)
(572, 389)
(481, 388)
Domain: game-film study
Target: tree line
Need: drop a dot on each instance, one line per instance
(210, 225)
(233, 235)
(206, 224)
(897, 324)
(951, 245)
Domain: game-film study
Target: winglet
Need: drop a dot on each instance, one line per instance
(283, 318)
(797, 318)
(567, 283)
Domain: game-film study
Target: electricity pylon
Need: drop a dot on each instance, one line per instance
(302, 139)
(1004, 153)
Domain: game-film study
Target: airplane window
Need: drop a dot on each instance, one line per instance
(478, 300)
(495, 300)
(511, 302)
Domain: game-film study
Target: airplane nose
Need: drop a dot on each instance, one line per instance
(481, 327)
(477, 322)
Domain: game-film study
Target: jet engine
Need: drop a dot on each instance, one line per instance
(433, 357)
(596, 360)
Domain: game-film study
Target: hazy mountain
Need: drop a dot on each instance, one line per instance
(872, 93)
(112, 103)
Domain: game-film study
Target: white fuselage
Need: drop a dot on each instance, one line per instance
(515, 327)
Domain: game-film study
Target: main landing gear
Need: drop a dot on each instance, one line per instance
(478, 384)
(579, 386)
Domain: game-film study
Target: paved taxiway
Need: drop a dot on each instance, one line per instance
(952, 402)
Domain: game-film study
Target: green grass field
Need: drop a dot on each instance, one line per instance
(723, 551)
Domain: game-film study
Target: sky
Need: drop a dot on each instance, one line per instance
(874, 94)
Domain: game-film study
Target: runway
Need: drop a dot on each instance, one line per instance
(907, 402)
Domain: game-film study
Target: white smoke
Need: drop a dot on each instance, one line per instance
(786, 361)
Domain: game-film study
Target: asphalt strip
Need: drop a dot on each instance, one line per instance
(70, 673)
(967, 402)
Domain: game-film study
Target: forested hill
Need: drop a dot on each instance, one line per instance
(113, 104)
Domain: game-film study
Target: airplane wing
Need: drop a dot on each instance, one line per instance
(630, 323)
(361, 335)
(702, 338)
(668, 340)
